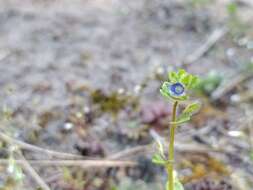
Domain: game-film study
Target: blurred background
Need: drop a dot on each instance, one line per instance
(80, 79)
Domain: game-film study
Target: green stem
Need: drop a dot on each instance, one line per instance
(171, 149)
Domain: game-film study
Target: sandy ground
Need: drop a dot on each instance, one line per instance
(52, 51)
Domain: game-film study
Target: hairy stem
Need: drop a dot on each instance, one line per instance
(171, 149)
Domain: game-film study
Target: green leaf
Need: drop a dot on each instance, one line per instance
(181, 73)
(251, 155)
(165, 86)
(182, 119)
(186, 80)
(114, 188)
(193, 82)
(164, 90)
(157, 159)
(163, 93)
(179, 98)
(209, 83)
(232, 8)
(187, 113)
(173, 76)
(178, 185)
(192, 108)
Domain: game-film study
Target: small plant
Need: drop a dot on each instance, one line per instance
(176, 90)
(13, 169)
(237, 27)
(199, 3)
(209, 83)
(251, 155)
(14, 176)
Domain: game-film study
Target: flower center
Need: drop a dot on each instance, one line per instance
(177, 89)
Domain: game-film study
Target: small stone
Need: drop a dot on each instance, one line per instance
(68, 126)
(137, 89)
(235, 133)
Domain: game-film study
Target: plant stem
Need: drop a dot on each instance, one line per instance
(171, 149)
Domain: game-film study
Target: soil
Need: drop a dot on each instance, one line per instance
(65, 65)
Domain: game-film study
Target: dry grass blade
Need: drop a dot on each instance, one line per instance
(80, 163)
(193, 147)
(228, 86)
(131, 151)
(215, 36)
(30, 147)
(29, 169)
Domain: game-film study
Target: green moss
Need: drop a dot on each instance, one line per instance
(113, 102)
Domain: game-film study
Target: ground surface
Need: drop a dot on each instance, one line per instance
(57, 57)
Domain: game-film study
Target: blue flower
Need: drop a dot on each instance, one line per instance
(176, 89)
(178, 84)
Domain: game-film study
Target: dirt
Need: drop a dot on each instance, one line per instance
(55, 54)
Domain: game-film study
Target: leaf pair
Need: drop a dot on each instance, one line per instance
(159, 160)
(187, 113)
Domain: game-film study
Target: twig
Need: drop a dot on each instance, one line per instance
(131, 151)
(192, 147)
(228, 86)
(215, 36)
(80, 163)
(27, 146)
(29, 169)
(54, 177)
